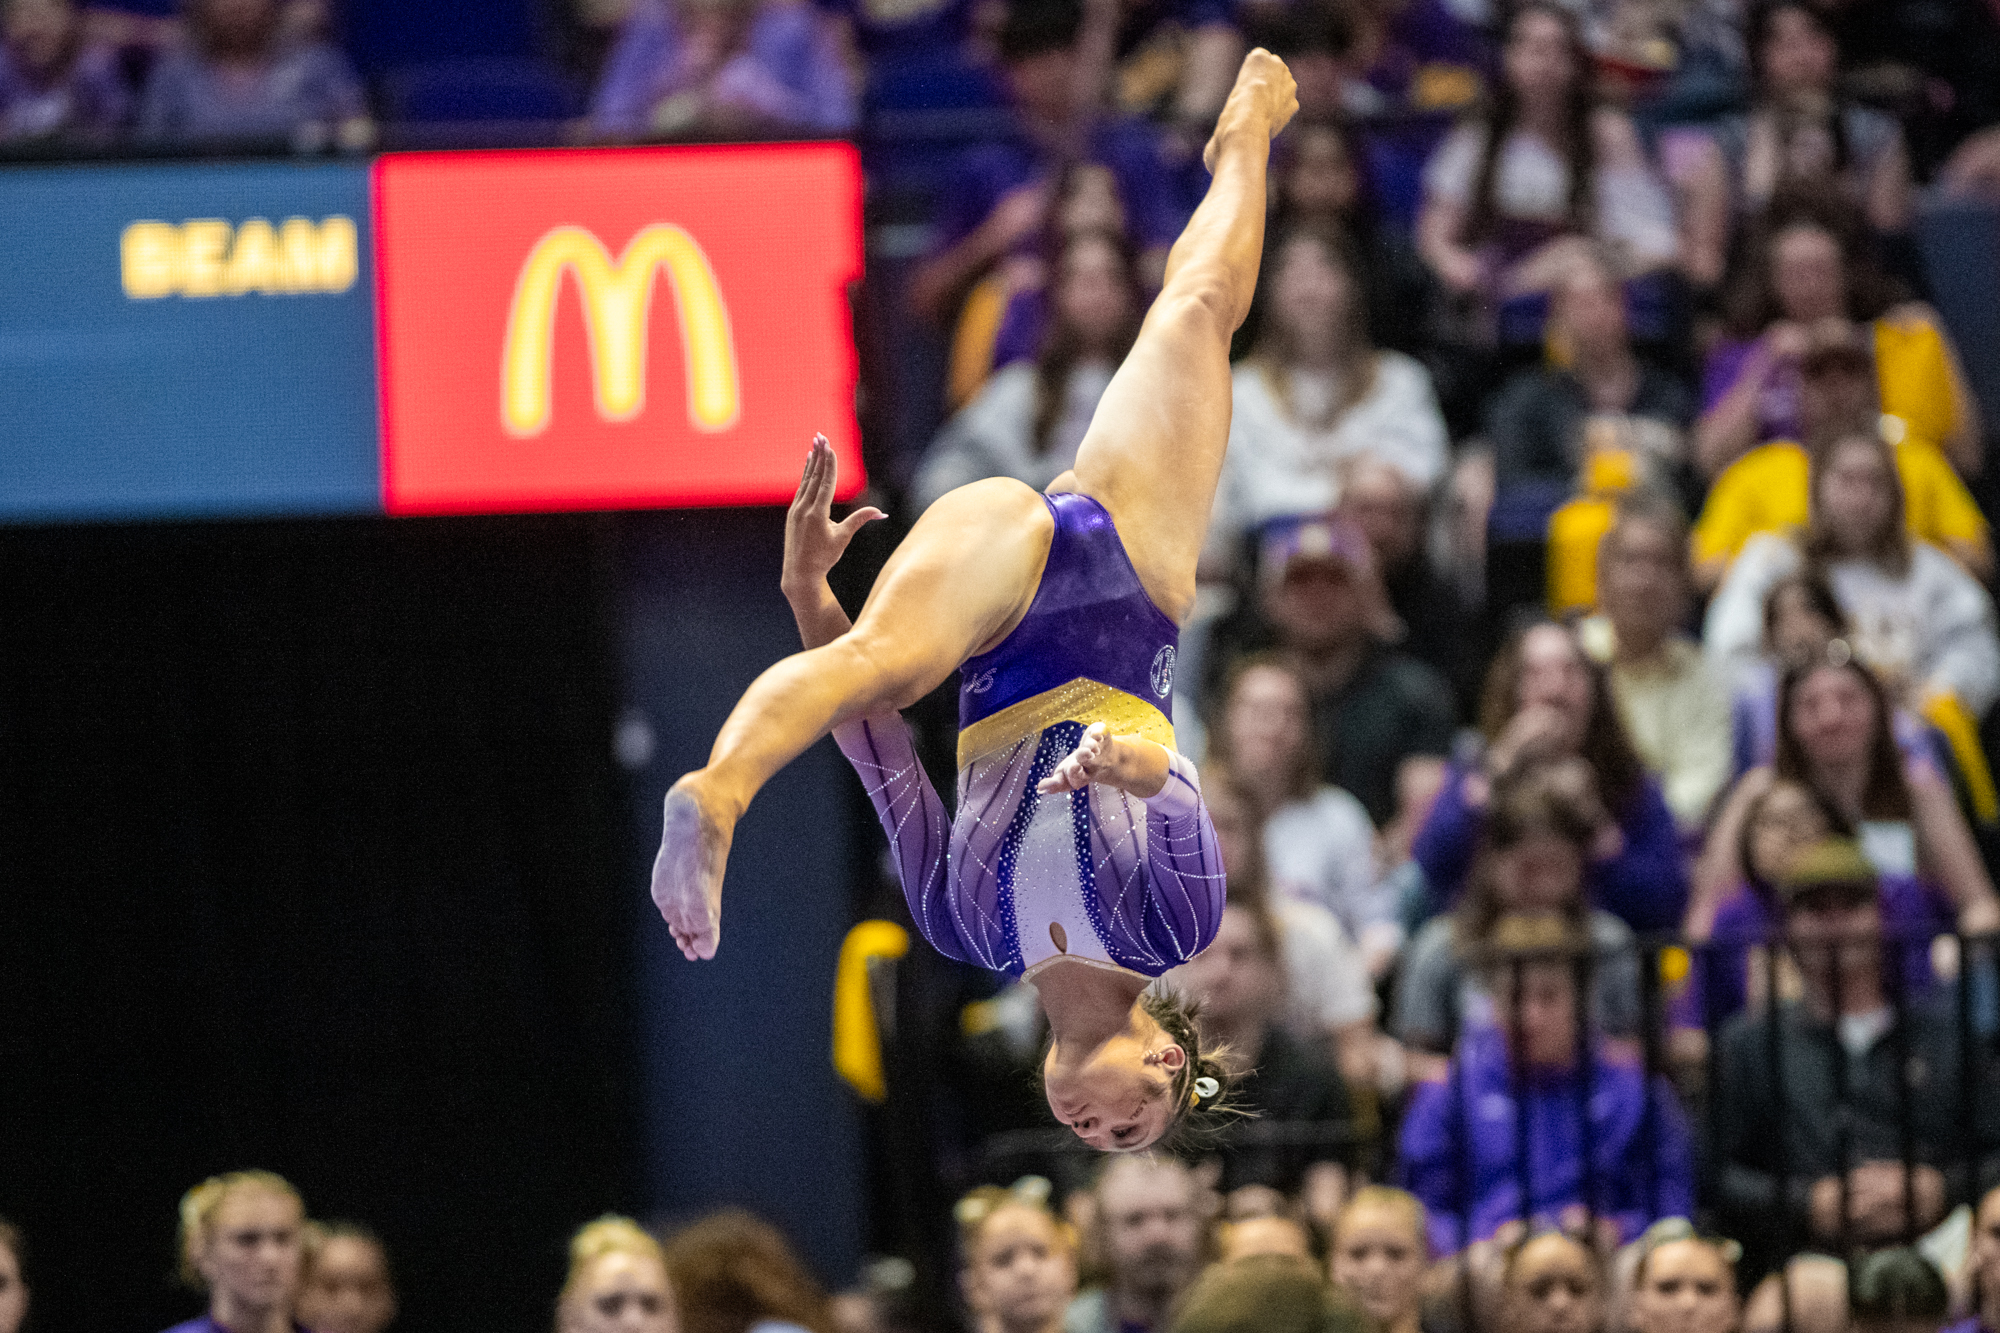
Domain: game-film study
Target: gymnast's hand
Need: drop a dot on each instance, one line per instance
(814, 543)
(1132, 764)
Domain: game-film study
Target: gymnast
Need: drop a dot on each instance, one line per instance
(1081, 858)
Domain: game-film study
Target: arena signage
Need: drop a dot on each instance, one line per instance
(708, 340)
(184, 340)
(432, 333)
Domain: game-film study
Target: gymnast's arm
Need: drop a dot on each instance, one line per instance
(878, 747)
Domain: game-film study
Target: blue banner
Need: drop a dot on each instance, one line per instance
(187, 341)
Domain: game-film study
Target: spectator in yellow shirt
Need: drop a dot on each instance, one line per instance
(1765, 490)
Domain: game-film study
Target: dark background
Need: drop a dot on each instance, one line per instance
(314, 856)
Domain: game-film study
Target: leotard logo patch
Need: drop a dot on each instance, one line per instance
(984, 680)
(1163, 671)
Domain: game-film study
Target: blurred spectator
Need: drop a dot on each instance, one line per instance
(1544, 700)
(1149, 1217)
(1684, 1283)
(1920, 620)
(617, 1282)
(1318, 842)
(1380, 1243)
(735, 67)
(1767, 490)
(1536, 840)
(1316, 393)
(1029, 419)
(1301, 1119)
(1675, 707)
(998, 195)
(1321, 180)
(1324, 611)
(13, 1282)
(1801, 129)
(1983, 1268)
(1781, 819)
(1508, 197)
(1834, 734)
(1269, 1293)
(54, 81)
(241, 1242)
(1808, 1296)
(1541, 423)
(1806, 273)
(1439, 628)
(1006, 314)
(1802, 618)
(236, 77)
(1251, 1237)
(1530, 1069)
(1848, 1083)
(349, 1287)
(1167, 60)
(1898, 1291)
(732, 1272)
(1017, 1260)
(1553, 1283)
(1938, 66)
(1329, 997)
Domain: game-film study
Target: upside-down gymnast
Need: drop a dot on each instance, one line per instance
(1081, 858)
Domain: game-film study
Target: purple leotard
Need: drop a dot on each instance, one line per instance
(1019, 879)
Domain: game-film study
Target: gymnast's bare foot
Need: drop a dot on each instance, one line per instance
(687, 874)
(1132, 764)
(1264, 100)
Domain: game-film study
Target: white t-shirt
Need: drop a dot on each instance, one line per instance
(1279, 466)
(1931, 627)
(1633, 207)
(1323, 848)
(993, 435)
(1326, 979)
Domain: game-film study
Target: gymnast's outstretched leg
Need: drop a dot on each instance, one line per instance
(968, 571)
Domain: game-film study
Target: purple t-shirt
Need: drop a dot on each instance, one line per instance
(789, 71)
(1777, 405)
(88, 98)
(189, 99)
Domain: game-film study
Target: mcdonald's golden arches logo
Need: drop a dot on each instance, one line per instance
(617, 312)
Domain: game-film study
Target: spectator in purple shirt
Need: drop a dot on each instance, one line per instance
(1544, 699)
(1000, 194)
(1504, 1138)
(726, 66)
(238, 78)
(52, 81)
(242, 1242)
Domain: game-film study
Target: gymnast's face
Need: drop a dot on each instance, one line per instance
(1115, 1095)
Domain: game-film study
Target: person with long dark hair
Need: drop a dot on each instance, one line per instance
(1029, 419)
(1800, 127)
(1316, 395)
(1509, 192)
(1809, 274)
(1546, 699)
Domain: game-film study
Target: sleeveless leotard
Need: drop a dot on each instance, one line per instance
(1019, 879)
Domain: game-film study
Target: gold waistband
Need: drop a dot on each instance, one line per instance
(1082, 700)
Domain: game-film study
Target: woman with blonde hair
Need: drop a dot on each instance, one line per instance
(241, 1242)
(1018, 1268)
(617, 1282)
(1381, 1247)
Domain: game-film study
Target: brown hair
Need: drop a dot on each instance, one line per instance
(1578, 148)
(1753, 302)
(731, 1270)
(210, 43)
(1810, 583)
(975, 1210)
(1621, 775)
(1528, 801)
(1273, 354)
(1193, 1120)
(1891, 546)
(1062, 346)
(1887, 795)
(1303, 778)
